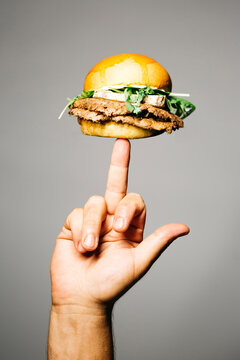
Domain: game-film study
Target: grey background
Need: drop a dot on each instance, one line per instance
(188, 305)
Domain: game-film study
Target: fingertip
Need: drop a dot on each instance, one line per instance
(172, 231)
(183, 229)
(121, 152)
(123, 142)
(90, 242)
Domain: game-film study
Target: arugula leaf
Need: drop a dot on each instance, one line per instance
(134, 97)
(116, 90)
(84, 94)
(179, 106)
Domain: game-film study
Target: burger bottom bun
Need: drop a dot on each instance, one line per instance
(115, 130)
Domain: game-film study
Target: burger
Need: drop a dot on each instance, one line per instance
(129, 96)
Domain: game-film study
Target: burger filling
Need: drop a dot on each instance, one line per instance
(144, 107)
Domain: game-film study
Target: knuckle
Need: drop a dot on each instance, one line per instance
(75, 212)
(123, 209)
(95, 207)
(137, 197)
(90, 225)
(74, 215)
(95, 199)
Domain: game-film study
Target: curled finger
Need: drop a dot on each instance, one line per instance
(130, 210)
(94, 213)
(72, 227)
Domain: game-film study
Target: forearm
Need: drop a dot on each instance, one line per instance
(80, 333)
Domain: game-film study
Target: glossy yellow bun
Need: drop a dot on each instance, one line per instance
(115, 130)
(126, 70)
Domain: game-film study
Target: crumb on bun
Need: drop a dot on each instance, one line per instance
(127, 70)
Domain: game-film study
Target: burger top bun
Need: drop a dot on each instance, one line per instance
(127, 70)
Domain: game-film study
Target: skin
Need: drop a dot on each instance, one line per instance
(99, 254)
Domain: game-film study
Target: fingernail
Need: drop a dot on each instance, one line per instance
(119, 222)
(89, 241)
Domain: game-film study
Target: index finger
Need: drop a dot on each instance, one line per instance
(118, 174)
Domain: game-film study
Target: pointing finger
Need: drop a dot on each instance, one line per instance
(118, 174)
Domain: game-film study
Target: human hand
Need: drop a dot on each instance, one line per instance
(100, 252)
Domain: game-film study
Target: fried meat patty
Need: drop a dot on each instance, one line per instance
(102, 110)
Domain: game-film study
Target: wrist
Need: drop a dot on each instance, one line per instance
(83, 303)
(84, 310)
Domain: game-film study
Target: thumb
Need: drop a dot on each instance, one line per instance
(148, 251)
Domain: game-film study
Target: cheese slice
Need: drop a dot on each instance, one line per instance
(155, 100)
